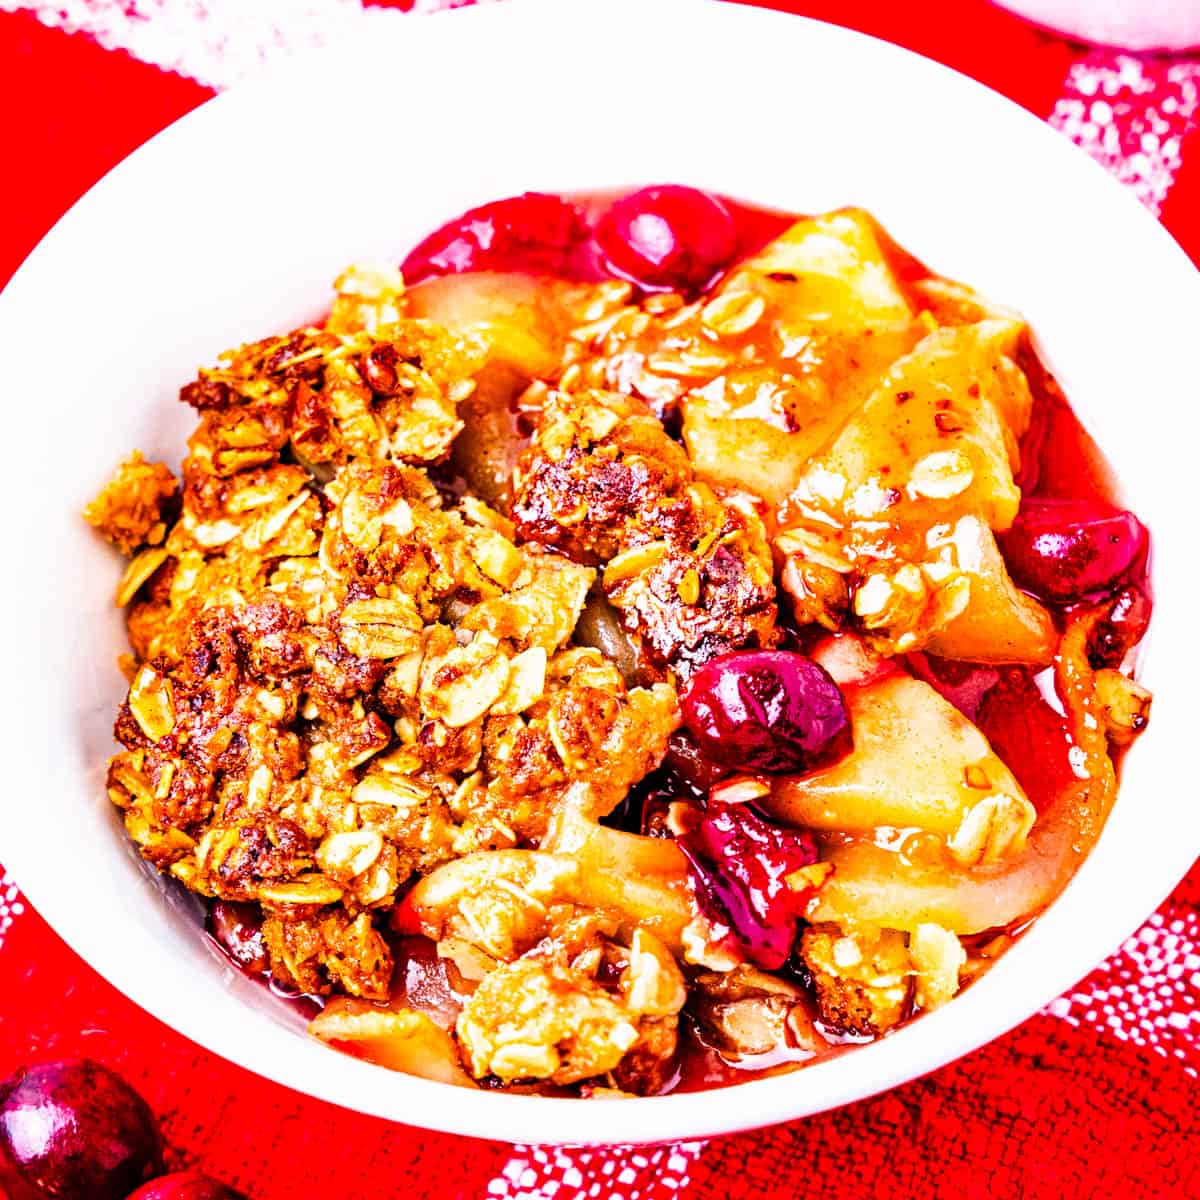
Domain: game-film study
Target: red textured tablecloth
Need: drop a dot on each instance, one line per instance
(1095, 1097)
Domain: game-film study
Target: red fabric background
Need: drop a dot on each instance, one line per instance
(1055, 1109)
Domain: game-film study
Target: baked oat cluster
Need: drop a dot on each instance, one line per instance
(414, 634)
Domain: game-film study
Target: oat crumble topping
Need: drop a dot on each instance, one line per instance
(415, 622)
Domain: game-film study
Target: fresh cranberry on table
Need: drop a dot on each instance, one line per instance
(740, 864)
(533, 232)
(1064, 550)
(185, 1185)
(74, 1130)
(668, 237)
(767, 710)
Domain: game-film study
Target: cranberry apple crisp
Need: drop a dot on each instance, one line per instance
(640, 643)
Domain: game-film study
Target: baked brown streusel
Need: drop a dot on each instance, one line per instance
(339, 685)
(414, 634)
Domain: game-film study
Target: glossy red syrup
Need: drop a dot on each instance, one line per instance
(663, 237)
(583, 238)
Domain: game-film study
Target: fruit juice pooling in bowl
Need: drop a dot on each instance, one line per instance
(867, 608)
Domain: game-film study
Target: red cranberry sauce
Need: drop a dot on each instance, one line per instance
(775, 711)
(661, 238)
(534, 232)
(743, 874)
(422, 979)
(1072, 543)
(236, 928)
(668, 236)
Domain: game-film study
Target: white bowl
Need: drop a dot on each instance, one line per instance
(232, 224)
(1128, 24)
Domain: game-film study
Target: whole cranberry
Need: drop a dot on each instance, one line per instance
(74, 1130)
(1064, 550)
(534, 232)
(740, 864)
(767, 710)
(185, 1185)
(1124, 624)
(668, 238)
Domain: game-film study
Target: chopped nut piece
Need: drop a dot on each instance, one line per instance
(819, 593)
(152, 702)
(497, 557)
(938, 958)
(380, 628)
(739, 790)
(526, 682)
(940, 475)
(652, 983)
(139, 570)
(888, 598)
(702, 949)
(994, 826)
(460, 686)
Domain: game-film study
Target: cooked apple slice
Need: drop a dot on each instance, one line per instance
(399, 1039)
(1000, 623)
(874, 886)
(516, 324)
(520, 320)
(755, 427)
(544, 879)
(953, 303)
(642, 878)
(830, 268)
(850, 662)
(738, 451)
(938, 437)
(917, 763)
(835, 319)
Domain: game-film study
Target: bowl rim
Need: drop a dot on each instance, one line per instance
(908, 1054)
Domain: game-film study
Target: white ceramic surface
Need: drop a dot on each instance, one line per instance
(231, 225)
(1126, 24)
